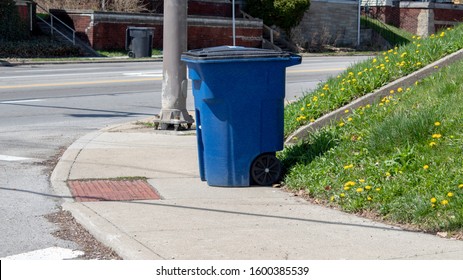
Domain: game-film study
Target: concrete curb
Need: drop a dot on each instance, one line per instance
(109, 234)
(304, 131)
(79, 61)
(100, 228)
(60, 174)
(103, 230)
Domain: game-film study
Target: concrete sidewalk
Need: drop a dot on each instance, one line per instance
(195, 221)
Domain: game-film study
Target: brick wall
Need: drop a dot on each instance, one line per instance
(422, 18)
(105, 31)
(213, 8)
(409, 19)
(218, 8)
(328, 22)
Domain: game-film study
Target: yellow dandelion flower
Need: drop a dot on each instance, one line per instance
(349, 184)
(460, 186)
(359, 73)
(332, 198)
(391, 91)
(442, 34)
(432, 144)
(342, 195)
(400, 89)
(312, 120)
(433, 200)
(359, 190)
(375, 60)
(426, 167)
(302, 109)
(308, 105)
(377, 189)
(362, 180)
(435, 67)
(450, 194)
(349, 119)
(437, 123)
(348, 166)
(409, 89)
(346, 188)
(368, 188)
(436, 136)
(387, 174)
(369, 198)
(341, 124)
(444, 202)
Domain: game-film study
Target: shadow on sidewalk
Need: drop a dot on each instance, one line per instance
(156, 204)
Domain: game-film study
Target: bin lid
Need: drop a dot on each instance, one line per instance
(233, 52)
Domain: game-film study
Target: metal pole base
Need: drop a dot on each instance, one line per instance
(173, 119)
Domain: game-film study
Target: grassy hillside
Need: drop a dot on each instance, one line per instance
(400, 160)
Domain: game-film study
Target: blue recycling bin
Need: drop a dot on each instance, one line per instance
(239, 101)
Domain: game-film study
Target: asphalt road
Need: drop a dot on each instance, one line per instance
(45, 108)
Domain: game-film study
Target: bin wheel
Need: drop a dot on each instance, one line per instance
(131, 54)
(266, 169)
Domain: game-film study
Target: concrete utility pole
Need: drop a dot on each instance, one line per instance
(175, 83)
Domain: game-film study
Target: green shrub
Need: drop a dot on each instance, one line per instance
(38, 47)
(285, 14)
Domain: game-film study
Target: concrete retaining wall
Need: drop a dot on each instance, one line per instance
(328, 22)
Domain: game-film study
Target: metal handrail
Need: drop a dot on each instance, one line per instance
(54, 29)
(267, 28)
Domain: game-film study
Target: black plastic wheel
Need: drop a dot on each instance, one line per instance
(266, 170)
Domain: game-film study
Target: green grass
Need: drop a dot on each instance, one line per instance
(400, 159)
(122, 53)
(395, 36)
(369, 75)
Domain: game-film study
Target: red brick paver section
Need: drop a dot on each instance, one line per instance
(111, 190)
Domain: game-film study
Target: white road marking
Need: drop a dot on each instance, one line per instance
(21, 101)
(144, 74)
(52, 253)
(54, 70)
(13, 158)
